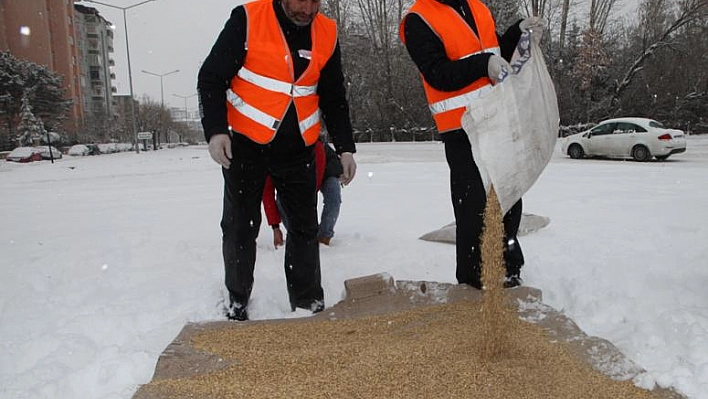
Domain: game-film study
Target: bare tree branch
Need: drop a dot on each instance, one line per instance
(690, 11)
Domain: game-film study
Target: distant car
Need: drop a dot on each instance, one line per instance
(108, 148)
(44, 151)
(84, 149)
(637, 138)
(24, 155)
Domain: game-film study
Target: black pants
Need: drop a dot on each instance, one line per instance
(468, 201)
(293, 174)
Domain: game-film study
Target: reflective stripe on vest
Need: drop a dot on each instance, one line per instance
(265, 119)
(251, 112)
(464, 99)
(310, 121)
(493, 50)
(275, 85)
(457, 102)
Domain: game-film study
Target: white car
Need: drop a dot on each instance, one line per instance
(46, 153)
(637, 138)
(83, 150)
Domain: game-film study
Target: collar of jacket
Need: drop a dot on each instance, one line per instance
(451, 3)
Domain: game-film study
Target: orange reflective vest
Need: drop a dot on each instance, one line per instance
(460, 42)
(261, 92)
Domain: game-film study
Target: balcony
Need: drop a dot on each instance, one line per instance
(94, 60)
(91, 30)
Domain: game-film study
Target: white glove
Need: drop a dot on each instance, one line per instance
(535, 26)
(348, 167)
(220, 149)
(497, 68)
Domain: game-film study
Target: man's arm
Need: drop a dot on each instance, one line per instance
(428, 53)
(271, 211)
(334, 104)
(269, 205)
(221, 65)
(508, 41)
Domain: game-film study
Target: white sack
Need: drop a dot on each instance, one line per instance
(513, 127)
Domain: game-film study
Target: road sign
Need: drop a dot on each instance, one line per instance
(144, 135)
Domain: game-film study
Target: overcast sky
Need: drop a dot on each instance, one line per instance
(165, 35)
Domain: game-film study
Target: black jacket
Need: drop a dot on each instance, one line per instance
(333, 166)
(428, 52)
(227, 57)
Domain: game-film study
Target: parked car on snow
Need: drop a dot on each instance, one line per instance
(84, 149)
(24, 155)
(637, 138)
(46, 154)
(108, 148)
(31, 154)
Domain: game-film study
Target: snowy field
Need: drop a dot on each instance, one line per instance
(104, 259)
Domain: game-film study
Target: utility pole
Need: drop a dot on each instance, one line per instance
(186, 115)
(127, 50)
(156, 139)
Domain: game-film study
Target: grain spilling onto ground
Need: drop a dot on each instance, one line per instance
(428, 352)
(497, 317)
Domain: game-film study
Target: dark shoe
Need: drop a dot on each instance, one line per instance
(324, 240)
(513, 257)
(512, 281)
(236, 312)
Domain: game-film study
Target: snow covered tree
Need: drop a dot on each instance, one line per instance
(340, 11)
(383, 85)
(45, 93)
(30, 129)
(660, 25)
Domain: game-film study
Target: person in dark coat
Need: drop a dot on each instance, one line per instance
(262, 99)
(456, 48)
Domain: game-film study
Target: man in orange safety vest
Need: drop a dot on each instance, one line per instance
(272, 77)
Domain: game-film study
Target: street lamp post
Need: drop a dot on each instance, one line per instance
(162, 100)
(127, 50)
(186, 123)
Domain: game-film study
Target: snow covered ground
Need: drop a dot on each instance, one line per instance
(104, 259)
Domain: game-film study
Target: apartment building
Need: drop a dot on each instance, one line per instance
(94, 42)
(42, 31)
(75, 42)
